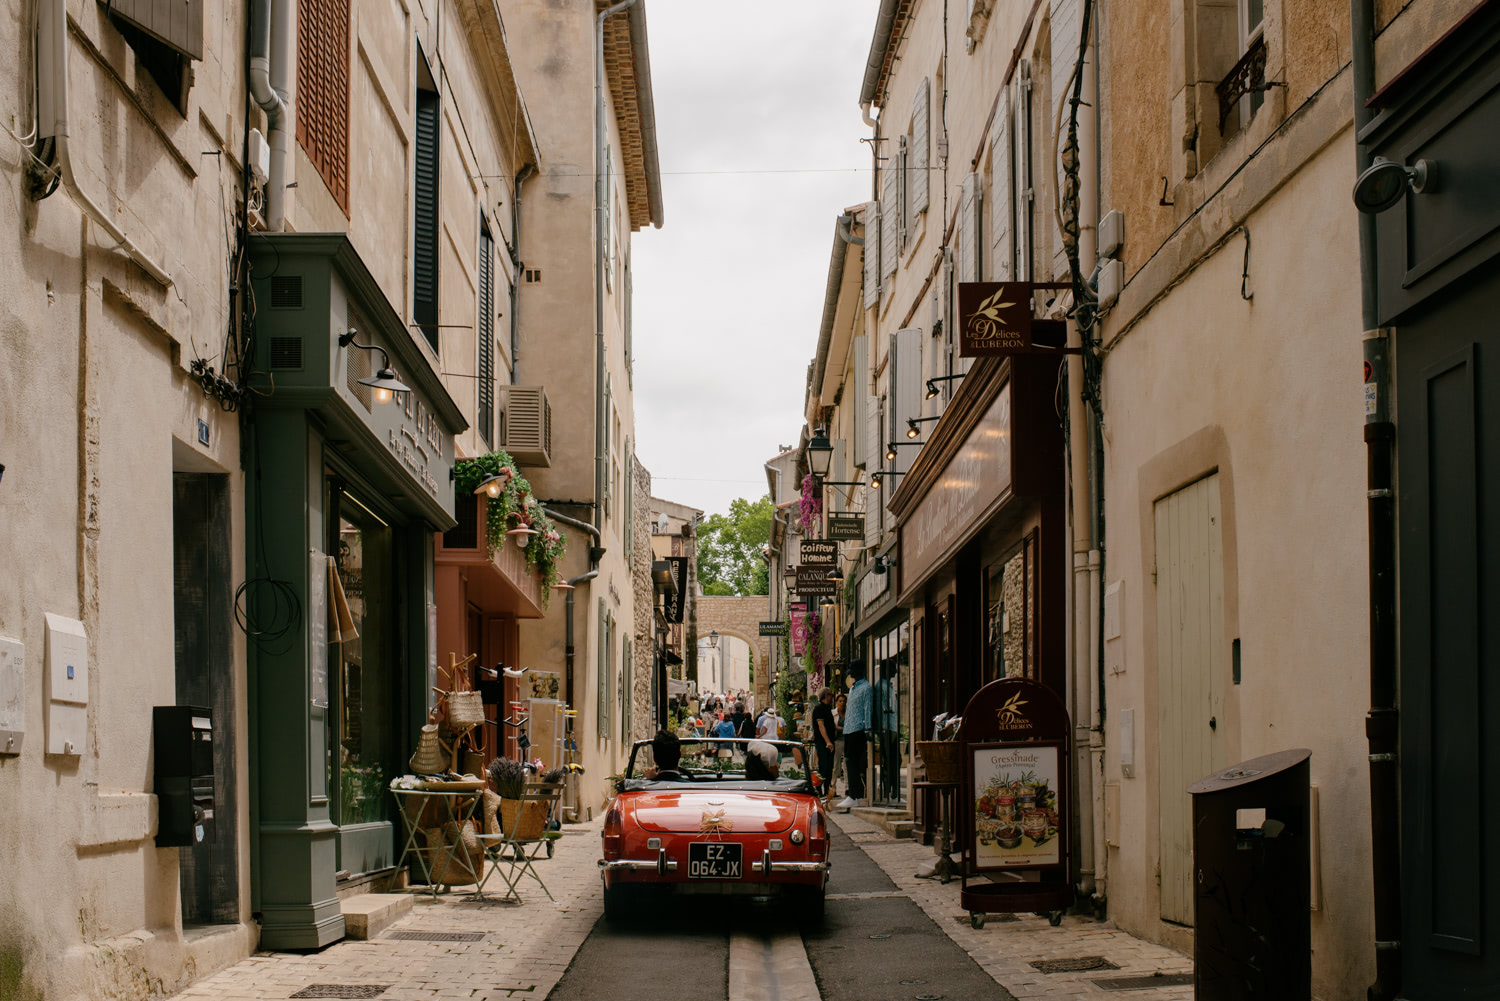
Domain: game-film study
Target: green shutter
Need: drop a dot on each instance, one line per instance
(486, 331)
(603, 668)
(627, 532)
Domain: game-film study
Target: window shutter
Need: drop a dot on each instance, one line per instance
(485, 332)
(175, 23)
(627, 692)
(890, 213)
(603, 660)
(1022, 166)
(322, 109)
(627, 534)
(425, 209)
(906, 377)
(629, 338)
(858, 394)
(1001, 186)
(874, 462)
(609, 410)
(839, 471)
(965, 237)
(921, 144)
(607, 265)
(872, 253)
(903, 231)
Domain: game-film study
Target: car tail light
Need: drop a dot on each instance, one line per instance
(614, 831)
(817, 834)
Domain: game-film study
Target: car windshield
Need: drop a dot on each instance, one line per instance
(708, 759)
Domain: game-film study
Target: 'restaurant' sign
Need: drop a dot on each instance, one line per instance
(846, 527)
(994, 318)
(677, 598)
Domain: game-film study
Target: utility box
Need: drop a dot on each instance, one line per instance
(67, 685)
(183, 738)
(1252, 857)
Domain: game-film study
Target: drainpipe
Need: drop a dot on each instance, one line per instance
(515, 272)
(272, 28)
(569, 652)
(601, 199)
(1382, 722)
(52, 122)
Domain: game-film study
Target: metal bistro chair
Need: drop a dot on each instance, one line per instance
(518, 849)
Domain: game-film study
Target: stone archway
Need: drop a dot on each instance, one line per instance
(740, 616)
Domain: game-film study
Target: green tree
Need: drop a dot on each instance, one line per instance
(729, 547)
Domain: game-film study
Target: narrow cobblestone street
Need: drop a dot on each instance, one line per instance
(523, 950)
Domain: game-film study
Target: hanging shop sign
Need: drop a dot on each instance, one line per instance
(994, 318)
(773, 628)
(813, 581)
(677, 597)
(797, 612)
(818, 553)
(1013, 803)
(846, 527)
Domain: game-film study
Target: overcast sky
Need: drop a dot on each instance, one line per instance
(757, 112)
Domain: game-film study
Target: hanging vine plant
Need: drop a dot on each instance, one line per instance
(512, 508)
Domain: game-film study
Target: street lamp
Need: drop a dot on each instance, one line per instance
(820, 453)
(384, 382)
(875, 480)
(891, 446)
(713, 639)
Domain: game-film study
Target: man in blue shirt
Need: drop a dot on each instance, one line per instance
(856, 733)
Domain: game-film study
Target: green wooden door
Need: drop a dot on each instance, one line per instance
(1190, 658)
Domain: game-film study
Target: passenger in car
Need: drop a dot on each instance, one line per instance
(666, 751)
(762, 761)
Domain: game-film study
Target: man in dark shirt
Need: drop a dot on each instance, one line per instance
(823, 734)
(666, 752)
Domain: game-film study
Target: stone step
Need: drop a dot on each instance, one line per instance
(895, 822)
(369, 914)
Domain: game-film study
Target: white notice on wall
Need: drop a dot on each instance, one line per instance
(12, 695)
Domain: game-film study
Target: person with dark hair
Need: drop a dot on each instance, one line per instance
(823, 736)
(762, 761)
(666, 752)
(856, 732)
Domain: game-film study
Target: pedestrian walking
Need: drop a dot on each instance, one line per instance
(840, 710)
(856, 734)
(823, 732)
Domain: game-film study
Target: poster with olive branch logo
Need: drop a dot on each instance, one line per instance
(994, 318)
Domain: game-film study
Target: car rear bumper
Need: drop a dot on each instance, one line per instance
(660, 864)
(646, 870)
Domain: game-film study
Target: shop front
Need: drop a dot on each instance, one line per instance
(883, 640)
(982, 546)
(348, 481)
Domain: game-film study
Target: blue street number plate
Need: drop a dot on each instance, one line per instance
(715, 860)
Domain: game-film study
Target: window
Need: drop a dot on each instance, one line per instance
(425, 207)
(323, 91)
(485, 330)
(165, 35)
(918, 159)
(1224, 72)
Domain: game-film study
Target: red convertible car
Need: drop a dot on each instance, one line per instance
(726, 817)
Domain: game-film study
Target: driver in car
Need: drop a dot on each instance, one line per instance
(762, 761)
(666, 751)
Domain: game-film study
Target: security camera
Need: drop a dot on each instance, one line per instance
(1385, 182)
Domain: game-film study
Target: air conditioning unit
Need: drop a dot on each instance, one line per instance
(525, 424)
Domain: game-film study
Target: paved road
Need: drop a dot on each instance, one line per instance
(875, 944)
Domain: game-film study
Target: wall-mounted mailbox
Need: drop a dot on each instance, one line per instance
(12, 695)
(67, 684)
(183, 737)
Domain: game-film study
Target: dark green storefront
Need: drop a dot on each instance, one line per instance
(334, 472)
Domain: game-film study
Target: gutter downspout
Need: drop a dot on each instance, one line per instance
(515, 269)
(272, 28)
(1382, 722)
(601, 198)
(52, 74)
(569, 652)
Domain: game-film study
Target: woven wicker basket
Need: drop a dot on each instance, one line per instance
(448, 867)
(533, 818)
(943, 758)
(429, 758)
(465, 710)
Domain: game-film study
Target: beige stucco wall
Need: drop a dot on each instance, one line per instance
(96, 413)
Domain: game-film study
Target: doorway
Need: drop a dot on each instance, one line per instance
(1190, 664)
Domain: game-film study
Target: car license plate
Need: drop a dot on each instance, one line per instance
(715, 860)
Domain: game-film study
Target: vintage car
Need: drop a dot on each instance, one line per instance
(710, 828)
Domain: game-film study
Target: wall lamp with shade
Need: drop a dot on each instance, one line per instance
(819, 452)
(1385, 182)
(522, 534)
(932, 389)
(493, 485)
(835, 575)
(911, 424)
(384, 382)
(882, 564)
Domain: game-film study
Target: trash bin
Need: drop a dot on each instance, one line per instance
(1251, 881)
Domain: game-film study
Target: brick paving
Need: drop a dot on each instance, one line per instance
(525, 949)
(1006, 949)
(527, 946)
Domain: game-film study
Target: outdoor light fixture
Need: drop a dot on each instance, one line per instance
(493, 485)
(713, 639)
(932, 389)
(875, 480)
(891, 446)
(882, 564)
(835, 575)
(384, 382)
(1385, 182)
(563, 585)
(911, 424)
(819, 452)
(522, 534)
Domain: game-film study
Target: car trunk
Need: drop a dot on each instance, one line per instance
(759, 813)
